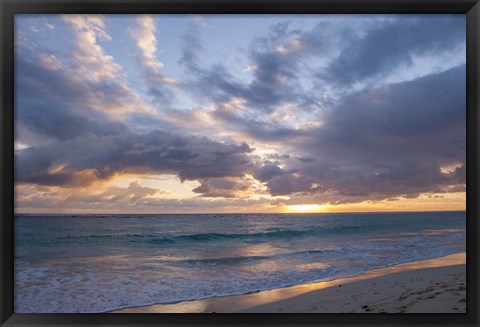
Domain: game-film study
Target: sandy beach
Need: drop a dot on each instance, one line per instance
(428, 286)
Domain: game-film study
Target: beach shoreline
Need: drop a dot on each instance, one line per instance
(427, 286)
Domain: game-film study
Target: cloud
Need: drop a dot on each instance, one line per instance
(401, 119)
(253, 126)
(147, 42)
(291, 183)
(131, 194)
(223, 187)
(200, 20)
(50, 104)
(90, 61)
(392, 44)
(109, 198)
(375, 143)
(50, 62)
(52, 101)
(303, 67)
(273, 76)
(240, 105)
(191, 48)
(267, 172)
(190, 158)
(134, 198)
(383, 142)
(91, 66)
(276, 65)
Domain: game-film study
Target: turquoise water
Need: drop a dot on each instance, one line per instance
(97, 263)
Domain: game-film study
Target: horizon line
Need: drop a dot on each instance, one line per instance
(240, 213)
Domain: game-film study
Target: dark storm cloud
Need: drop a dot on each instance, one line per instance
(393, 44)
(190, 158)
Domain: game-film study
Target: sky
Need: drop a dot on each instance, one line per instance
(239, 113)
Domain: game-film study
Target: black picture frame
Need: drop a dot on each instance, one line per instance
(471, 8)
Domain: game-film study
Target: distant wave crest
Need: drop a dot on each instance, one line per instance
(211, 237)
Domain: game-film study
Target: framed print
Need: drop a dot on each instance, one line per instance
(220, 163)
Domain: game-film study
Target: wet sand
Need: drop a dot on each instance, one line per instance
(427, 286)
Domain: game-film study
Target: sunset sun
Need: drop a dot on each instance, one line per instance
(305, 208)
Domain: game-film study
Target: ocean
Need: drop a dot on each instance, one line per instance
(99, 263)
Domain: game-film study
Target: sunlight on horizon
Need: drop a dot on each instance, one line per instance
(305, 208)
